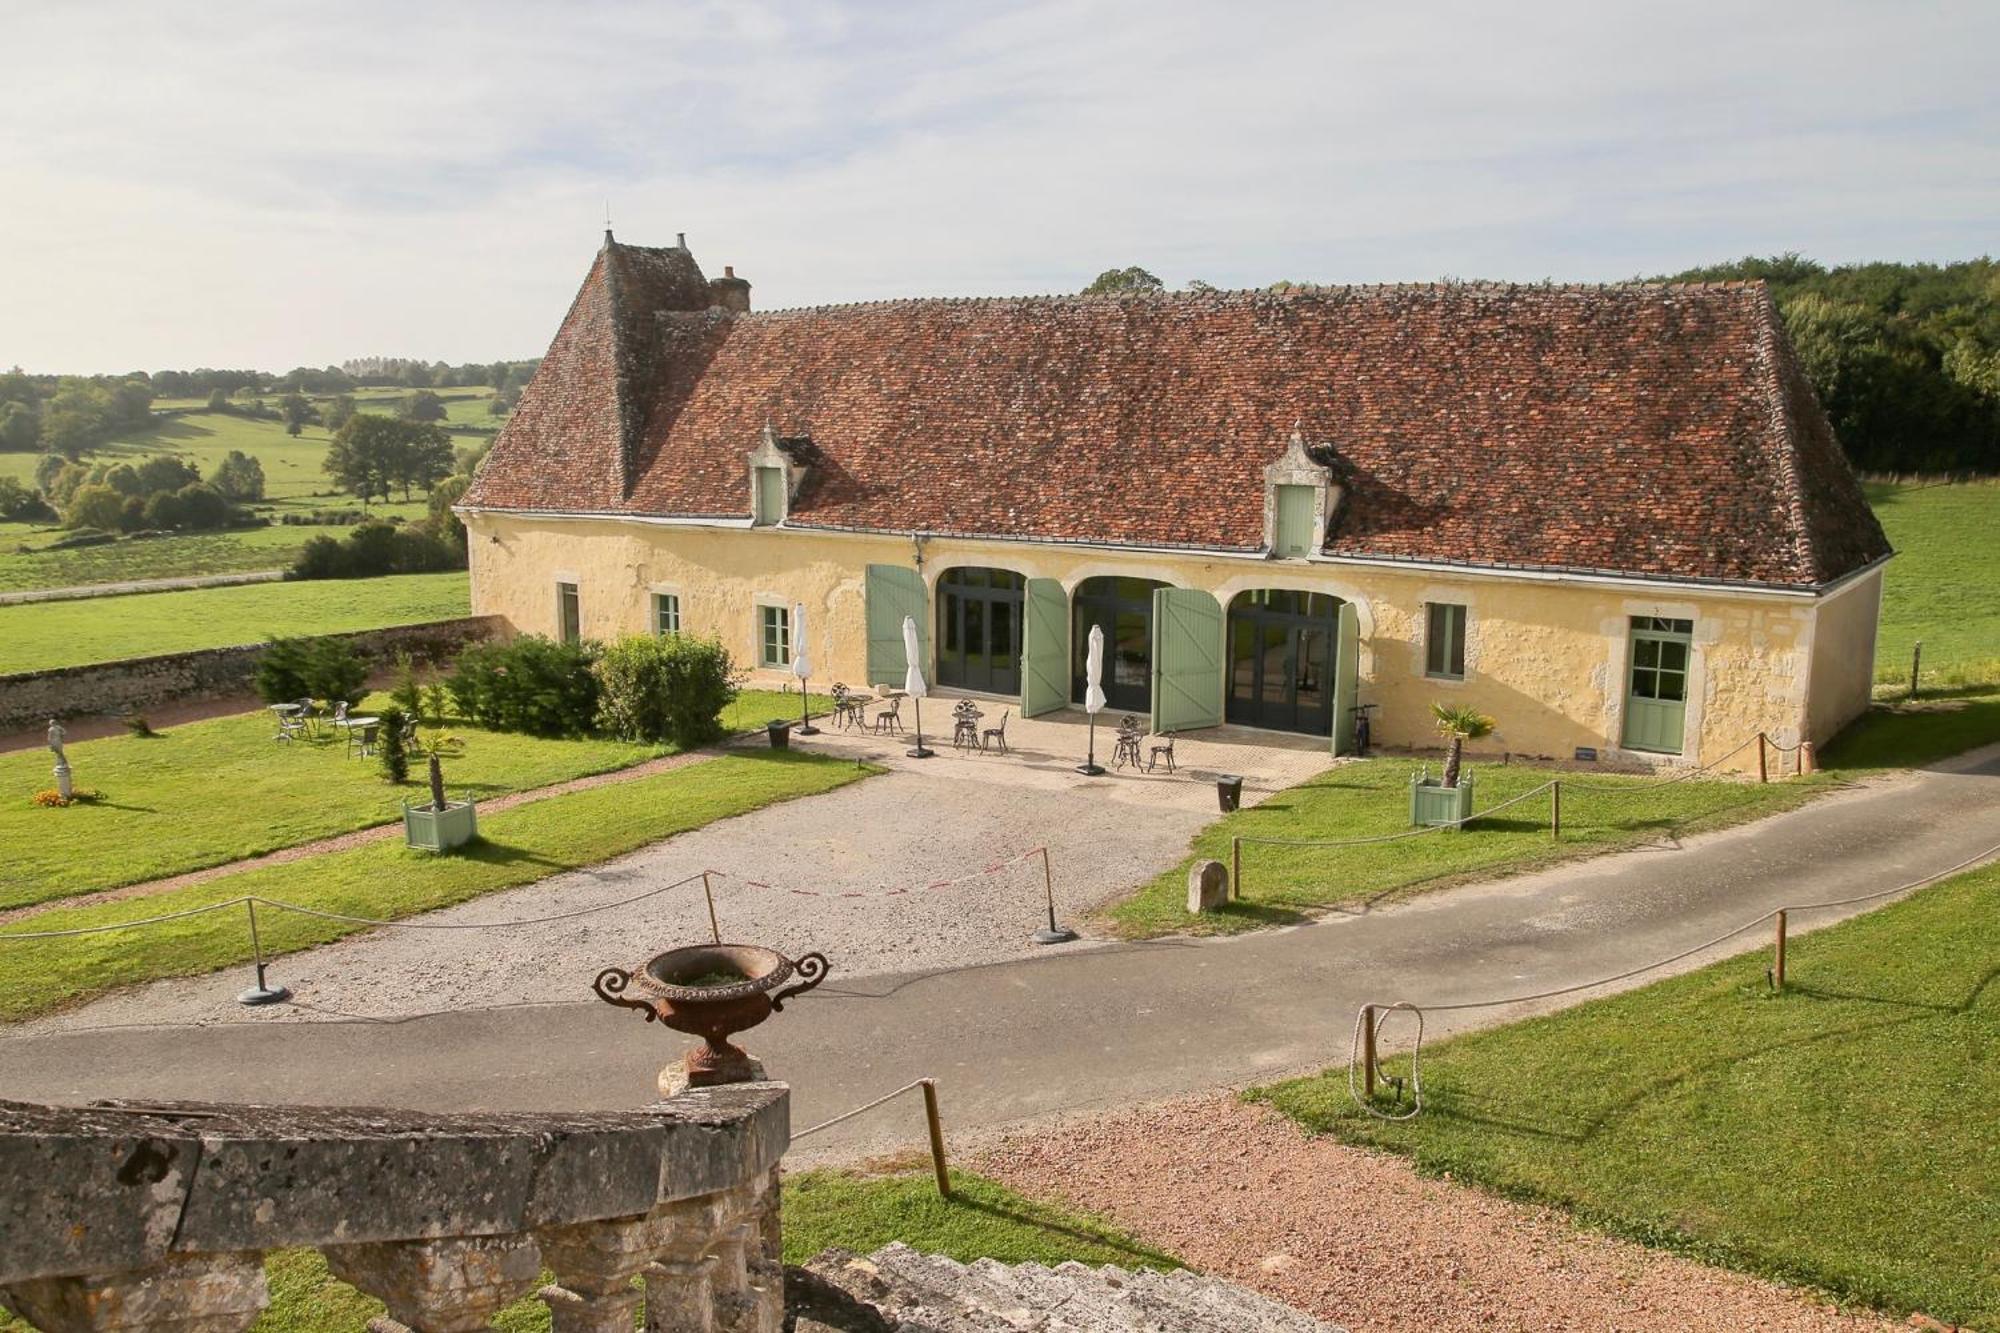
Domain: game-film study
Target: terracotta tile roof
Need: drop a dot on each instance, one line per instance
(1652, 430)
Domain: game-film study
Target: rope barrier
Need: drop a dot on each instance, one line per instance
(933, 1123)
(849, 1115)
(990, 869)
(1394, 837)
(1416, 1052)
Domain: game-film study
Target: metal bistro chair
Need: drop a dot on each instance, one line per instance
(1165, 751)
(1127, 752)
(841, 707)
(996, 735)
(890, 718)
(365, 739)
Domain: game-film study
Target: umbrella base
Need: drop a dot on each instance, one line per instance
(807, 730)
(1057, 935)
(1091, 770)
(921, 752)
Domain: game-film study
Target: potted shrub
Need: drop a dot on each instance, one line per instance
(1449, 799)
(441, 825)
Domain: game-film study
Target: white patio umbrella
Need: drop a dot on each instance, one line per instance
(802, 668)
(1093, 696)
(913, 682)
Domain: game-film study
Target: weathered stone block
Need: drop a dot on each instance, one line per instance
(1208, 886)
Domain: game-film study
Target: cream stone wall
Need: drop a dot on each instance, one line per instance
(1547, 659)
(1843, 655)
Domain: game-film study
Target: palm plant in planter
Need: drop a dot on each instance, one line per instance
(442, 825)
(1448, 800)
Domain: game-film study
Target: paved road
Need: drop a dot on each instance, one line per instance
(83, 590)
(1027, 1039)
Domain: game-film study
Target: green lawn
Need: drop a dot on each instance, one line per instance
(37, 636)
(1842, 1134)
(822, 1209)
(1907, 734)
(1371, 798)
(207, 793)
(1944, 585)
(387, 880)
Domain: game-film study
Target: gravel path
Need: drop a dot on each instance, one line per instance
(831, 866)
(1359, 1238)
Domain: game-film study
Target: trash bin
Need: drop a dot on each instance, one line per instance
(1228, 791)
(780, 733)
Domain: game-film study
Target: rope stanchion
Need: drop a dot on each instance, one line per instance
(933, 1125)
(1373, 1013)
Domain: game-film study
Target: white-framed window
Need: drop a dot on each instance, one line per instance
(774, 636)
(1444, 642)
(666, 613)
(569, 613)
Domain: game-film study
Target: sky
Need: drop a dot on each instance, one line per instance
(277, 184)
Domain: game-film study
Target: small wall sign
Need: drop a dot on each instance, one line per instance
(1586, 754)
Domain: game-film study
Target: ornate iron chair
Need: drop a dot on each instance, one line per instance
(1165, 751)
(996, 735)
(890, 718)
(1127, 752)
(964, 725)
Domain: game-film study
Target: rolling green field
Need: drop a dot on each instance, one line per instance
(1840, 1133)
(37, 636)
(1943, 587)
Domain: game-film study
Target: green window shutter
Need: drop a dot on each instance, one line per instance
(1187, 659)
(894, 592)
(770, 496)
(1444, 646)
(569, 613)
(1044, 648)
(1295, 520)
(1346, 677)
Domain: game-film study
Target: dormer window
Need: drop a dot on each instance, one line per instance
(1299, 500)
(778, 473)
(770, 499)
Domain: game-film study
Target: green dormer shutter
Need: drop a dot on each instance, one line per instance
(770, 495)
(1295, 521)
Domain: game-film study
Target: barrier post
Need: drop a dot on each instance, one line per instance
(1763, 763)
(937, 1137)
(262, 992)
(713, 927)
(1556, 809)
(1236, 868)
(1368, 1051)
(1916, 660)
(1808, 761)
(1051, 933)
(1778, 957)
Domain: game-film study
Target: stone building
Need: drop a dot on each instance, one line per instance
(1611, 517)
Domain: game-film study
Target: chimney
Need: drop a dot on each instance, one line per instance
(730, 292)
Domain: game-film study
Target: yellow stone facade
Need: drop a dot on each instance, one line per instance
(1546, 656)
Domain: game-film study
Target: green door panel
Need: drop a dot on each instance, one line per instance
(1044, 648)
(1346, 677)
(770, 495)
(894, 592)
(1187, 659)
(1295, 520)
(1656, 692)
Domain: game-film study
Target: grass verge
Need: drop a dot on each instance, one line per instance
(207, 793)
(821, 1209)
(1370, 799)
(1840, 1134)
(38, 636)
(1943, 587)
(387, 880)
(1915, 732)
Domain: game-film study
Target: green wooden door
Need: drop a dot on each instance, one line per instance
(1044, 648)
(1187, 659)
(1656, 693)
(894, 592)
(1346, 677)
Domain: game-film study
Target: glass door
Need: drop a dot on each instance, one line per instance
(1656, 700)
(1281, 661)
(979, 623)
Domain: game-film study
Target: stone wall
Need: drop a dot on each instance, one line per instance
(29, 698)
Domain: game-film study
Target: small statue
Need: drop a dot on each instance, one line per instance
(64, 787)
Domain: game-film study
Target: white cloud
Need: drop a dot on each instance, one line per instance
(273, 185)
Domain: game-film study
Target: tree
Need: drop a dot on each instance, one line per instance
(238, 477)
(360, 458)
(218, 400)
(123, 478)
(18, 504)
(298, 413)
(424, 405)
(499, 375)
(1123, 282)
(95, 507)
(20, 427)
(164, 472)
(1462, 723)
(444, 495)
(423, 459)
(338, 412)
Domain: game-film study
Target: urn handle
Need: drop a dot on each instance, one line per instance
(812, 969)
(610, 987)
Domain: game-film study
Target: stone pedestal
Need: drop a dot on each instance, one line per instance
(674, 1078)
(1208, 886)
(64, 788)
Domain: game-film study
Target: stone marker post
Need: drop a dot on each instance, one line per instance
(1208, 887)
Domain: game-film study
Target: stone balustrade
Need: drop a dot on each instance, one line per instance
(157, 1217)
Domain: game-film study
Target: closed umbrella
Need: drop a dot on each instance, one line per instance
(802, 668)
(1093, 696)
(913, 682)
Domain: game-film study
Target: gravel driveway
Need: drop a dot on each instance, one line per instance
(1359, 1238)
(920, 822)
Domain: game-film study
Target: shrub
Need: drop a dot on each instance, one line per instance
(533, 685)
(326, 668)
(666, 688)
(97, 507)
(18, 504)
(137, 724)
(164, 472)
(373, 549)
(392, 748)
(238, 477)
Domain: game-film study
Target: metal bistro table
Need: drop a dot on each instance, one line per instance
(965, 727)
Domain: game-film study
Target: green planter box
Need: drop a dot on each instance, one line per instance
(440, 830)
(1431, 804)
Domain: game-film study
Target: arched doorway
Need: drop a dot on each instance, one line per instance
(979, 629)
(1281, 660)
(1123, 609)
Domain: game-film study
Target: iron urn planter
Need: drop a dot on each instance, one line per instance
(688, 990)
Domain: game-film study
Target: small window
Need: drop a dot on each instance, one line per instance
(666, 613)
(1444, 646)
(1295, 521)
(569, 613)
(770, 496)
(774, 648)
